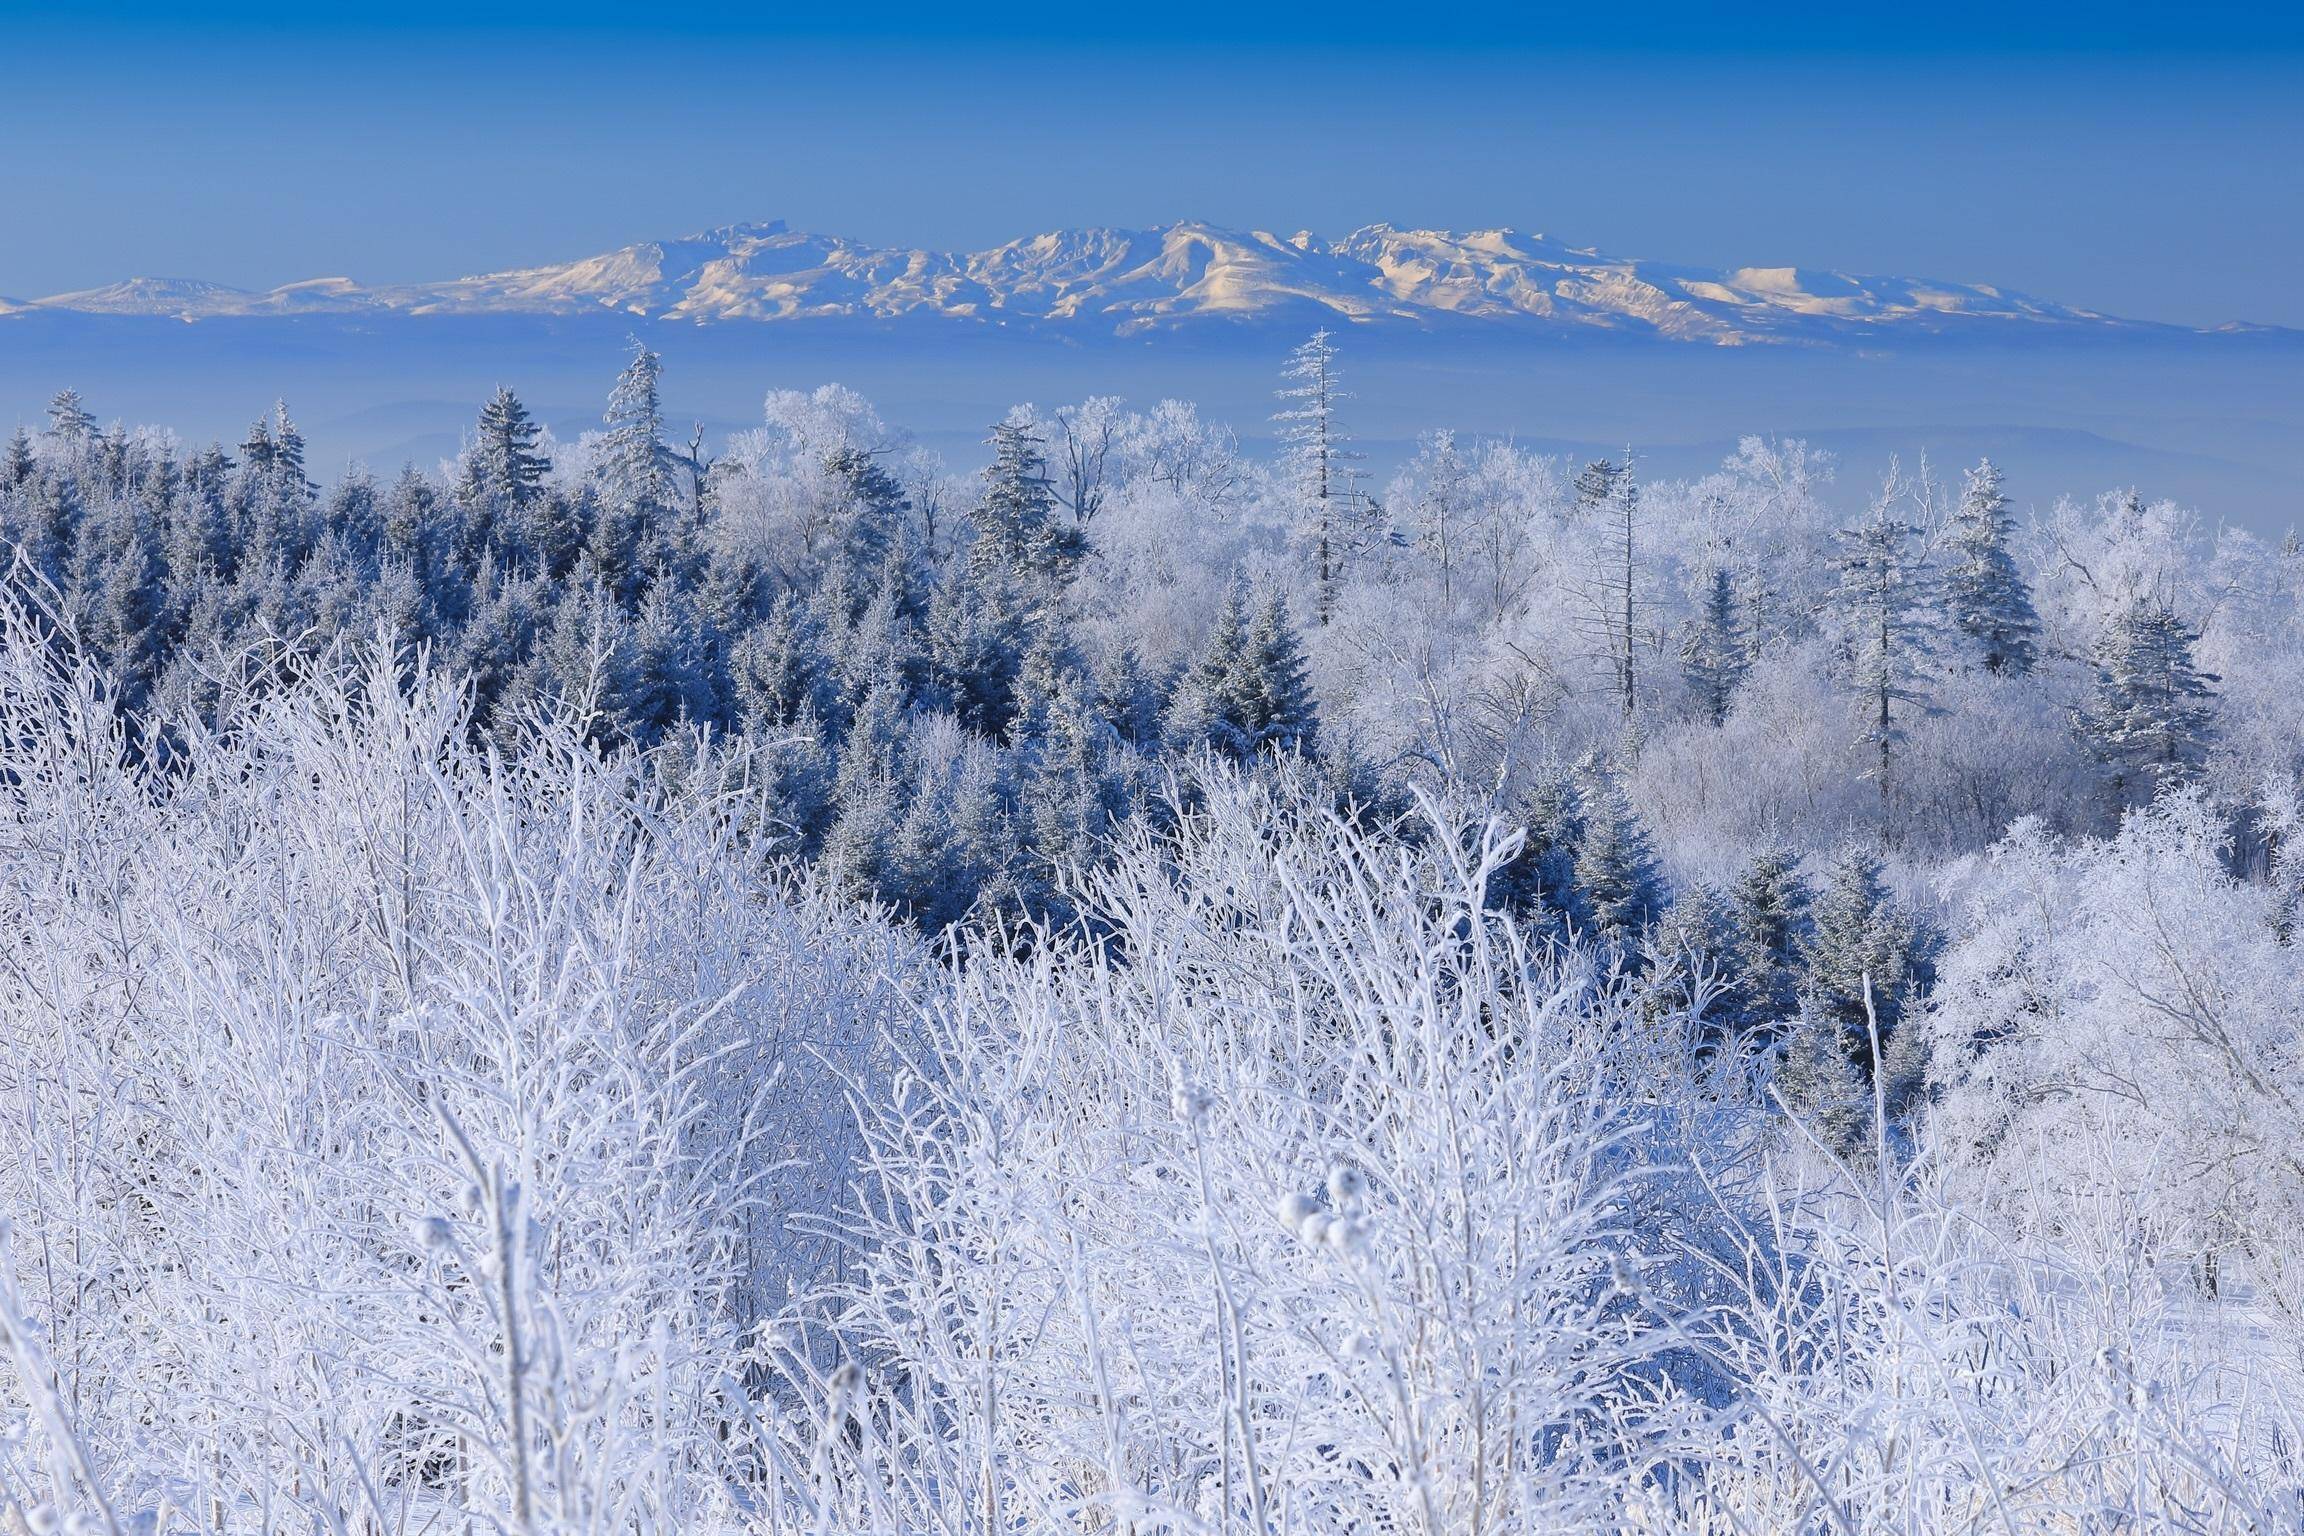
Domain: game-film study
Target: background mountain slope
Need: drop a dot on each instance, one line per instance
(1132, 282)
(1495, 334)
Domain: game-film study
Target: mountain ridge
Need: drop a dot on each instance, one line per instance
(1139, 282)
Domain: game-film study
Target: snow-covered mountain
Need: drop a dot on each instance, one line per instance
(1130, 282)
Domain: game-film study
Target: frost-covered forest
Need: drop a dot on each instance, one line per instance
(637, 985)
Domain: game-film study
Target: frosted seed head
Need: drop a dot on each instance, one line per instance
(1193, 1103)
(41, 1520)
(1346, 1186)
(1314, 1229)
(434, 1232)
(1294, 1208)
(843, 1384)
(469, 1197)
(1347, 1234)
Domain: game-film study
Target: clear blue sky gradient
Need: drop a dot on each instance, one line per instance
(2139, 160)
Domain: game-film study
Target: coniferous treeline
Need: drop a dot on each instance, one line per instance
(941, 738)
(965, 688)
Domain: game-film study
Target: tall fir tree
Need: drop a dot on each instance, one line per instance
(1129, 695)
(1713, 655)
(1887, 635)
(1769, 908)
(1539, 883)
(951, 851)
(504, 478)
(1616, 870)
(1329, 516)
(869, 801)
(974, 652)
(1195, 710)
(288, 471)
(69, 421)
(409, 514)
(1688, 953)
(879, 643)
(780, 672)
(1022, 549)
(577, 664)
(2150, 715)
(634, 462)
(666, 681)
(1067, 794)
(1985, 596)
(16, 464)
(1271, 701)
(1248, 691)
(867, 512)
(495, 639)
(1858, 932)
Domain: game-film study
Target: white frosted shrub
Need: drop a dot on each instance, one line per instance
(1303, 1199)
(397, 1133)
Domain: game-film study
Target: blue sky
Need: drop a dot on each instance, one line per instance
(2139, 160)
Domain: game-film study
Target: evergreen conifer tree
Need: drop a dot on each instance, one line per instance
(1985, 596)
(1328, 515)
(16, 463)
(1769, 908)
(494, 642)
(1539, 884)
(1066, 794)
(665, 679)
(1887, 638)
(1196, 711)
(1128, 696)
(1819, 1081)
(868, 801)
(879, 645)
(2149, 718)
(1689, 952)
(1616, 869)
(780, 672)
(69, 421)
(951, 851)
(634, 462)
(408, 512)
(869, 509)
(1247, 692)
(1860, 932)
(293, 484)
(1270, 698)
(800, 767)
(256, 452)
(127, 600)
(504, 477)
(1022, 550)
(973, 655)
(1713, 656)
(580, 654)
